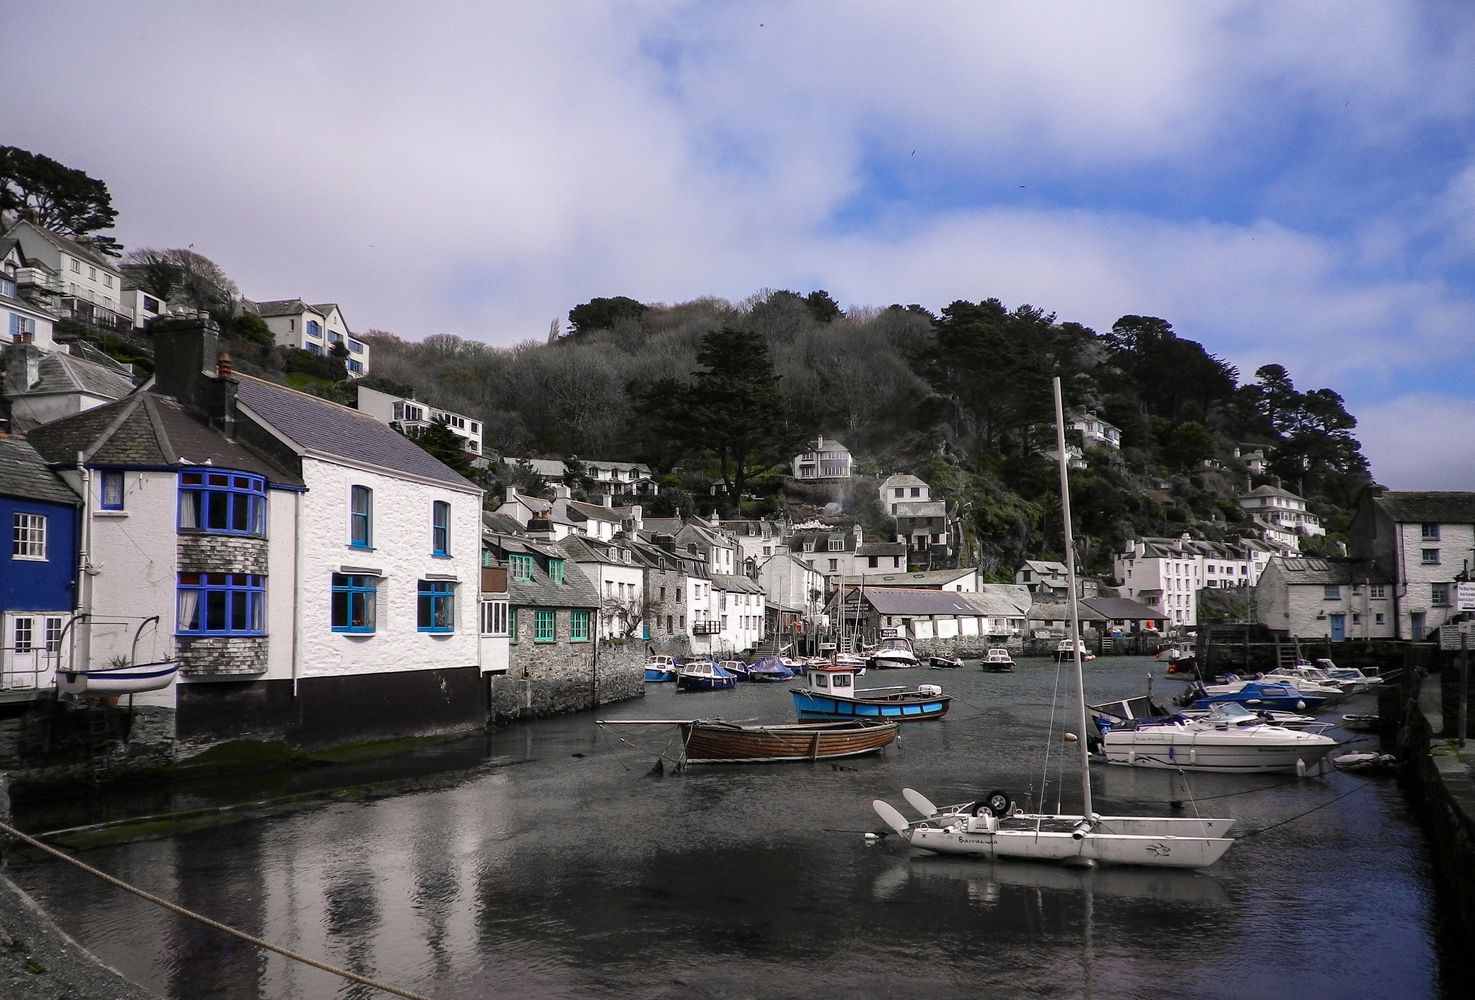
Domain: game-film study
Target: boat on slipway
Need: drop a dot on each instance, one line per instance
(831, 694)
(715, 741)
(993, 828)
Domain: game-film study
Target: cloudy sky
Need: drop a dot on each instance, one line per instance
(1282, 182)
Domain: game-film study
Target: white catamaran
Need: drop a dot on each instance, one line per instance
(993, 828)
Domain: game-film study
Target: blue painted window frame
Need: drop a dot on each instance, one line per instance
(435, 606)
(221, 502)
(440, 528)
(555, 571)
(545, 626)
(314, 328)
(360, 517)
(578, 626)
(221, 604)
(354, 603)
(110, 490)
(521, 566)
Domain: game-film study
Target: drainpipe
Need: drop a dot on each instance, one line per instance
(296, 585)
(82, 645)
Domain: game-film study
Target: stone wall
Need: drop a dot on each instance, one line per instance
(557, 677)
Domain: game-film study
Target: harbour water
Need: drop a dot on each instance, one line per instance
(561, 863)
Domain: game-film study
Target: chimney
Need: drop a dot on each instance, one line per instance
(22, 367)
(561, 491)
(222, 396)
(185, 347)
(512, 494)
(540, 527)
(608, 500)
(637, 515)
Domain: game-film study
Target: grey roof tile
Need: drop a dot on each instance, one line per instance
(326, 428)
(23, 473)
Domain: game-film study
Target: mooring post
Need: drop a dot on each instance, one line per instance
(1464, 682)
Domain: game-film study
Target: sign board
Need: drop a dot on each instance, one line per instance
(1449, 636)
(1465, 596)
(888, 633)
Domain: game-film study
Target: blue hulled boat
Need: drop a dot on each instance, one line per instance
(661, 668)
(831, 694)
(769, 669)
(1259, 694)
(704, 675)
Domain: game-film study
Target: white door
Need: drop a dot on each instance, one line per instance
(24, 663)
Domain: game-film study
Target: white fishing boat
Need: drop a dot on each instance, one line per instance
(998, 661)
(993, 828)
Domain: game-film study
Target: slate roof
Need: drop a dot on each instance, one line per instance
(329, 429)
(1046, 568)
(593, 511)
(492, 521)
(62, 373)
(897, 601)
(881, 549)
(1059, 611)
(67, 245)
(901, 479)
(1310, 571)
(282, 307)
(821, 540)
(582, 548)
(1269, 491)
(1121, 607)
(1001, 600)
(734, 583)
(23, 473)
(147, 429)
(541, 591)
(1429, 507)
(920, 578)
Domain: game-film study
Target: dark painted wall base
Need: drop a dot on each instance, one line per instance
(330, 711)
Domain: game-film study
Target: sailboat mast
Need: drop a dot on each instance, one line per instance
(1075, 613)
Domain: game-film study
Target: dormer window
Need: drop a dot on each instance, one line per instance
(555, 571)
(837, 545)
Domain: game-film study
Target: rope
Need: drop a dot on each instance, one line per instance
(181, 911)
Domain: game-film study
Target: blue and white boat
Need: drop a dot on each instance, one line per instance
(661, 668)
(704, 675)
(769, 669)
(1259, 694)
(831, 694)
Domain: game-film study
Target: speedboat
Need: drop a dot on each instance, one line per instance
(1352, 680)
(1277, 695)
(1309, 680)
(894, 653)
(1065, 651)
(944, 662)
(1228, 738)
(998, 661)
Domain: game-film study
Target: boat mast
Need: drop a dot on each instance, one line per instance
(1075, 613)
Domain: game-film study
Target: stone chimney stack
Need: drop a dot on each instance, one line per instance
(608, 500)
(185, 349)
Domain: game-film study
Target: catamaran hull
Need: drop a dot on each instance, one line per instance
(1105, 848)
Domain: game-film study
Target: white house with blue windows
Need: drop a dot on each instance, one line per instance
(316, 329)
(316, 572)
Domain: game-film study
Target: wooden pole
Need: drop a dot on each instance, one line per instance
(1464, 682)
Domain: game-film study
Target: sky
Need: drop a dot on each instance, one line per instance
(1283, 182)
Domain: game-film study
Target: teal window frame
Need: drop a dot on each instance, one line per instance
(545, 626)
(578, 626)
(555, 571)
(511, 626)
(521, 567)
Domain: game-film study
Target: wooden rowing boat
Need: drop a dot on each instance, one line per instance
(713, 741)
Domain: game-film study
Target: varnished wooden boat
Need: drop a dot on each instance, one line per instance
(713, 741)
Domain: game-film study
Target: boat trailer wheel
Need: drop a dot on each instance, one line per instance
(996, 802)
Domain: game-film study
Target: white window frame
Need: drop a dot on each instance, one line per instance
(28, 537)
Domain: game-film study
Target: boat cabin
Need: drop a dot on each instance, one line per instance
(835, 680)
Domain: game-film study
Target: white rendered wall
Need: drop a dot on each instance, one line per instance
(401, 554)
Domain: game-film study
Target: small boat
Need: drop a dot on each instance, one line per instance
(124, 676)
(1065, 651)
(894, 653)
(944, 662)
(856, 661)
(704, 675)
(1309, 680)
(769, 670)
(1373, 763)
(1254, 694)
(661, 668)
(714, 741)
(831, 694)
(1229, 738)
(1351, 679)
(737, 668)
(998, 661)
(1361, 723)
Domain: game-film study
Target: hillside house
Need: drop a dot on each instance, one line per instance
(42, 386)
(316, 329)
(825, 459)
(23, 320)
(407, 414)
(84, 284)
(1272, 505)
(1423, 543)
(901, 487)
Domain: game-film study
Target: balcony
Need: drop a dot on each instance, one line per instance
(94, 315)
(706, 628)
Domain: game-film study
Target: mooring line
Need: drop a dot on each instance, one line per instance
(175, 908)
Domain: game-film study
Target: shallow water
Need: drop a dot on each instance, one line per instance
(560, 866)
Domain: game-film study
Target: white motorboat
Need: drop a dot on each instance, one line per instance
(894, 653)
(1353, 680)
(1229, 737)
(1309, 680)
(993, 828)
(1065, 650)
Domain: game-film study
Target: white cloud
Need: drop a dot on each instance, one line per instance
(1420, 441)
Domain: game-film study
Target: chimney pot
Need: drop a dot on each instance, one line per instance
(223, 367)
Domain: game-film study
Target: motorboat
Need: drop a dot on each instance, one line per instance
(1309, 680)
(715, 741)
(993, 827)
(1228, 738)
(704, 675)
(1065, 651)
(831, 694)
(768, 670)
(944, 662)
(1180, 663)
(1352, 680)
(660, 669)
(893, 653)
(737, 668)
(998, 661)
(1276, 695)
(1361, 723)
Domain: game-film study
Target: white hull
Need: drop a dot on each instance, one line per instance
(133, 679)
(1017, 838)
(1255, 749)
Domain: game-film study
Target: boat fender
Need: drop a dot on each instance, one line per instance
(1079, 831)
(1193, 755)
(1300, 706)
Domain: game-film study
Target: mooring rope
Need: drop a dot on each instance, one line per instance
(207, 921)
